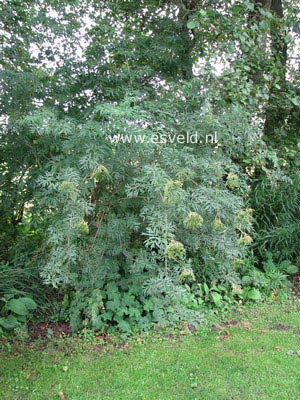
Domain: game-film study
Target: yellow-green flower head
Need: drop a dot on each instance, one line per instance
(187, 274)
(236, 289)
(193, 221)
(217, 224)
(185, 174)
(245, 215)
(245, 240)
(243, 219)
(233, 181)
(67, 187)
(238, 263)
(173, 192)
(82, 227)
(100, 173)
(175, 250)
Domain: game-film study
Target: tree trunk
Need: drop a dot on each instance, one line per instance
(276, 111)
(186, 10)
(279, 46)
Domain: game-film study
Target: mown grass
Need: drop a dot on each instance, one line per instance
(248, 360)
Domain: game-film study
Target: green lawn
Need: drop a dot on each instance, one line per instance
(248, 360)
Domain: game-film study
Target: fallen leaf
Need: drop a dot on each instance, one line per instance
(28, 376)
(61, 395)
(97, 348)
(246, 325)
(277, 348)
(216, 328)
(122, 346)
(224, 337)
(281, 327)
(191, 328)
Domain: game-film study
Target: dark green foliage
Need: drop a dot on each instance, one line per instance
(133, 231)
(104, 195)
(15, 311)
(277, 206)
(24, 281)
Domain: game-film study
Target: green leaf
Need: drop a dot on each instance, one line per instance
(206, 288)
(237, 9)
(217, 298)
(295, 101)
(17, 306)
(254, 294)
(192, 24)
(21, 318)
(249, 5)
(29, 303)
(291, 269)
(124, 326)
(9, 322)
(296, 27)
(134, 312)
